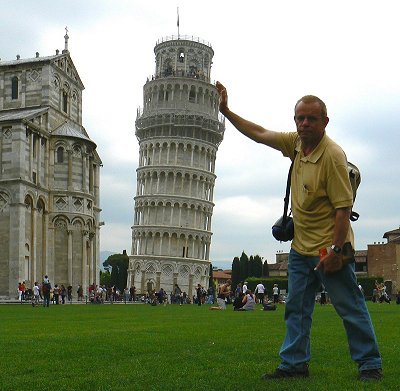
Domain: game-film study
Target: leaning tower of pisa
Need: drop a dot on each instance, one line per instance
(179, 131)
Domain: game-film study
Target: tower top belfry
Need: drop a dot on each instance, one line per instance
(184, 57)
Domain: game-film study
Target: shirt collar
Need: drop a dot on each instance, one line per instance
(316, 153)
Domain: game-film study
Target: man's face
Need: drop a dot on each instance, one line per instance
(310, 123)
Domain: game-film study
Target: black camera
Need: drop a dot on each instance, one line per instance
(283, 229)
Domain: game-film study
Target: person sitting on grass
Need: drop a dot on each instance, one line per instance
(238, 302)
(223, 293)
(249, 301)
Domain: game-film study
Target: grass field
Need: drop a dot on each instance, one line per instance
(140, 347)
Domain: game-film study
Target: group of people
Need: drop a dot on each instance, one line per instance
(45, 293)
(379, 294)
(244, 299)
(178, 296)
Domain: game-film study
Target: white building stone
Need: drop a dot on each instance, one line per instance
(179, 131)
(49, 176)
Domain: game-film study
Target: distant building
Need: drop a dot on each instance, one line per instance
(384, 260)
(49, 176)
(221, 276)
(278, 269)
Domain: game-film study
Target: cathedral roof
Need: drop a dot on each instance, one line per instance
(30, 60)
(68, 129)
(19, 114)
(54, 59)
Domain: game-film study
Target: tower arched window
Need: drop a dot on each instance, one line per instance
(14, 87)
(168, 71)
(181, 56)
(60, 155)
(192, 95)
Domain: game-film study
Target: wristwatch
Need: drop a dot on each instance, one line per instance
(336, 249)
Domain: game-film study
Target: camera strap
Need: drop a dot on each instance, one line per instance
(286, 199)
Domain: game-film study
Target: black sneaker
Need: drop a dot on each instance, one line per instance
(282, 374)
(370, 374)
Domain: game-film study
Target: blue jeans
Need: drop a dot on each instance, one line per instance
(46, 300)
(348, 301)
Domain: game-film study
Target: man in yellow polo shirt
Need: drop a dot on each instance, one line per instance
(323, 239)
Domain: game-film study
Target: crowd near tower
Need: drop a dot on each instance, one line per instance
(179, 131)
(49, 176)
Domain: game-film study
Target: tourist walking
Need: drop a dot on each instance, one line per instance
(36, 294)
(199, 294)
(56, 294)
(178, 298)
(46, 290)
(275, 293)
(20, 292)
(260, 292)
(321, 203)
(63, 293)
(80, 293)
(23, 291)
(69, 293)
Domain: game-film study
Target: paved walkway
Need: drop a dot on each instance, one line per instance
(29, 302)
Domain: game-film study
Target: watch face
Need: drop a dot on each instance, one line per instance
(336, 249)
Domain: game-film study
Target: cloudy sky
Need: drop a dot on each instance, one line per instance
(268, 54)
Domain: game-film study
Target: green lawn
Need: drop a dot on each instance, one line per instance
(140, 347)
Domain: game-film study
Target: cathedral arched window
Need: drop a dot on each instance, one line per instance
(60, 155)
(14, 87)
(65, 102)
(181, 56)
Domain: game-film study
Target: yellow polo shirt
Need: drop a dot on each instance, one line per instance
(319, 185)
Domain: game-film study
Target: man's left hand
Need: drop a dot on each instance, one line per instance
(331, 263)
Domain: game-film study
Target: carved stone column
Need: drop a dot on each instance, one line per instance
(84, 260)
(70, 157)
(70, 281)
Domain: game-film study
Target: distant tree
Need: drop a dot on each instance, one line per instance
(119, 269)
(265, 269)
(258, 266)
(250, 270)
(105, 277)
(236, 278)
(244, 266)
(210, 276)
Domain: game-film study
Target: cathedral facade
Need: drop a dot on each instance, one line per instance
(179, 130)
(49, 176)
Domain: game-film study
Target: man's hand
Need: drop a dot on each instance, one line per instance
(331, 263)
(223, 97)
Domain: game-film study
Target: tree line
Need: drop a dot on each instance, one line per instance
(245, 267)
(117, 276)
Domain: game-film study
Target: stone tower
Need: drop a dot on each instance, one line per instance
(179, 131)
(49, 176)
